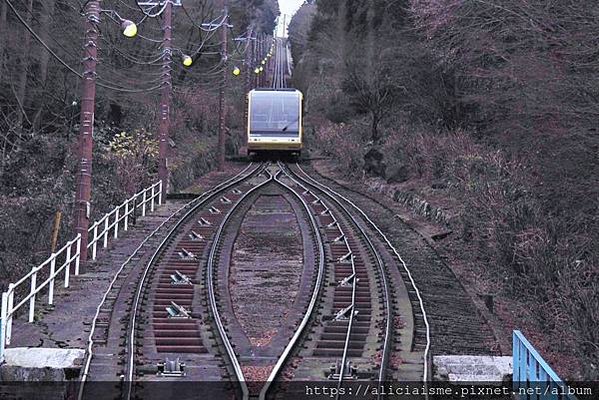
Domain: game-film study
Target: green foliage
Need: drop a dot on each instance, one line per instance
(135, 155)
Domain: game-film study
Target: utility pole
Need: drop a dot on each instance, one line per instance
(255, 61)
(249, 67)
(249, 71)
(259, 59)
(86, 128)
(165, 97)
(221, 97)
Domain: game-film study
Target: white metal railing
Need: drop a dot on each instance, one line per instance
(64, 257)
(69, 257)
(101, 229)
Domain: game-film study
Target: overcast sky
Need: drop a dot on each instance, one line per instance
(288, 7)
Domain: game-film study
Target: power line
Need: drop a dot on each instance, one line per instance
(108, 85)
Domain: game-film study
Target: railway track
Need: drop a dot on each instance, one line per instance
(355, 333)
(112, 353)
(333, 309)
(280, 67)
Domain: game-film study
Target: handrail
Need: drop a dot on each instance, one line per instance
(148, 195)
(65, 254)
(530, 371)
(68, 255)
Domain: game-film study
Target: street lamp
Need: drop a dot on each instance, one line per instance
(186, 60)
(129, 28)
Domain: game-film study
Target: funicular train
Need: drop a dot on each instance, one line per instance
(275, 121)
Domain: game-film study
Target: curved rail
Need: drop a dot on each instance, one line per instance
(201, 200)
(212, 297)
(317, 287)
(205, 196)
(413, 283)
(380, 265)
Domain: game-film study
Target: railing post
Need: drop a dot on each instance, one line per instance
(515, 363)
(11, 299)
(143, 204)
(51, 283)
(3, 318)
(106, 218)
(78, 256)
(152, 197)
(126, 227)
(116, 222)
(160, 192)
(32, 293)
(67, 270)
(95, 240)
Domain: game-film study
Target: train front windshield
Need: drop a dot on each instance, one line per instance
(275, 114)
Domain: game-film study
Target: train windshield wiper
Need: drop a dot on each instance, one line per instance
(289, 124)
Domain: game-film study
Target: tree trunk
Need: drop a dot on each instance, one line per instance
(45, 18)
(22, 81)
(3, 38)
(376, 118)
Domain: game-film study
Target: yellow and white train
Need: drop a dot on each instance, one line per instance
(275, 121)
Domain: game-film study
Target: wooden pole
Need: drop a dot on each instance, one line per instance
(55, 230)
(222, 111)
(165, 98)
(86, 130)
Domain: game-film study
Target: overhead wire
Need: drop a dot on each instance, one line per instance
(150, 15)
(156, 59)
(107, 85)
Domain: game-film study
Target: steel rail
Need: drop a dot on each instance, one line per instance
(90, 342)
(354, 288)
(315, 293)
(403, 263)
(212, 297)
(204, 198)
(387, 300)
(201, 200)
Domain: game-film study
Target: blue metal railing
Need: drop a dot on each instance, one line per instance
(533, 378)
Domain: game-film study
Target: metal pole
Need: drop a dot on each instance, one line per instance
(249, 71)
(165, 99)
(259, 59)
(262, 54)
(86, 130)
(3, 318)
(249, 68)
(221, 96)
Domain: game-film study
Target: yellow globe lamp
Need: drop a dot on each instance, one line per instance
(129, 28)
(186, 60)
(236, 71)
(261, 69)
(257, 70)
